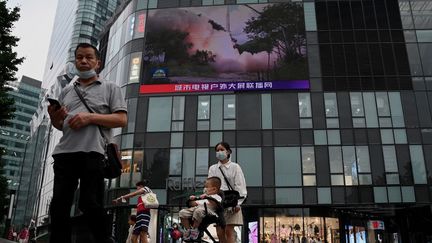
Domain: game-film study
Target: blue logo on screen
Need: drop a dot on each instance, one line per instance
(160, 73)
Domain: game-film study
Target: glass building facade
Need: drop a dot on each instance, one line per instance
(345, 158)
(30, 179)
(13, 138)
(75, 22)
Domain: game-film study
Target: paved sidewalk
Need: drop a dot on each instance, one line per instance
(6, 241)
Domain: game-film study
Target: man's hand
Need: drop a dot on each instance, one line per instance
(57, 115)
(80, 120)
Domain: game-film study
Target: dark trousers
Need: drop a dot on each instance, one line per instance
(69, 168)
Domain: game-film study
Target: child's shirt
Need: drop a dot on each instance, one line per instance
(210, 205)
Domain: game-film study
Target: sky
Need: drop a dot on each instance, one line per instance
(34, 30)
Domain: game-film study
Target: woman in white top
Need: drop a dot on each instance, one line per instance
(233, 172)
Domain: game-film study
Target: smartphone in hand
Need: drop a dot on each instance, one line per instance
(54, 103)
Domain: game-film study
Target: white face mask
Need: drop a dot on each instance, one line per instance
(221, 155)
(86, 74)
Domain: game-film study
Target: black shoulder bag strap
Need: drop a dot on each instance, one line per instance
(226, 180)
(89, 109)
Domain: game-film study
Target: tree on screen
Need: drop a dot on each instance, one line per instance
(279, 30)
(278, 27)
(164, 45)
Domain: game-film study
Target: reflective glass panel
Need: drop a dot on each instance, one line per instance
(356, 104)
(229, 125)
(178, 108)
(216, 112)
(320, 137)
(408, 194)
(177, 126)
(400, 136)
(304, 101)
(177, 139)
(365, 179)
(203, 125)
(335, 156)
(418, 165)
(138, 159)
(380, 194)
(203, 107)
(250, 161)
(383, 106)
(202, 160)
(308, 159)
(387, 136)
(394, 194)
(370, 109)
(405, 12)
(309, 180)
(287, 166)
(390, 162)
(331, 107)
(188, 167)
(332, 122)
(333, 137)
(363, 161)
(310, 18)
(385, 122)
(175, 162)
(216, 137)
(324, 196)
(159, 114)
(396, 109)
(392, 179)
(359, 122)
(266, 114)
(289, 196)
(306, 123)
(132, 106)
(337, 180)
(229, 107)
(350, 165)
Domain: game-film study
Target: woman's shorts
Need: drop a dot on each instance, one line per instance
(142, 222)
(233, 218)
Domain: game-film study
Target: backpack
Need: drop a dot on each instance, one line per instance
(176, 234)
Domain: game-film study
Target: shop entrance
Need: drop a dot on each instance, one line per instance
(295, 229)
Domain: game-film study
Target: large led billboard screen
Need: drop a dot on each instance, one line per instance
(223, 48)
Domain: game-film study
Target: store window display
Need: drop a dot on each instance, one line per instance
(297, 229)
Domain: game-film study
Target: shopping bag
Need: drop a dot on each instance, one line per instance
(150, 200)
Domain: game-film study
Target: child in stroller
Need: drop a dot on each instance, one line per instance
(203, 211)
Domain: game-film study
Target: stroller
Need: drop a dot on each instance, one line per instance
(209, 219)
